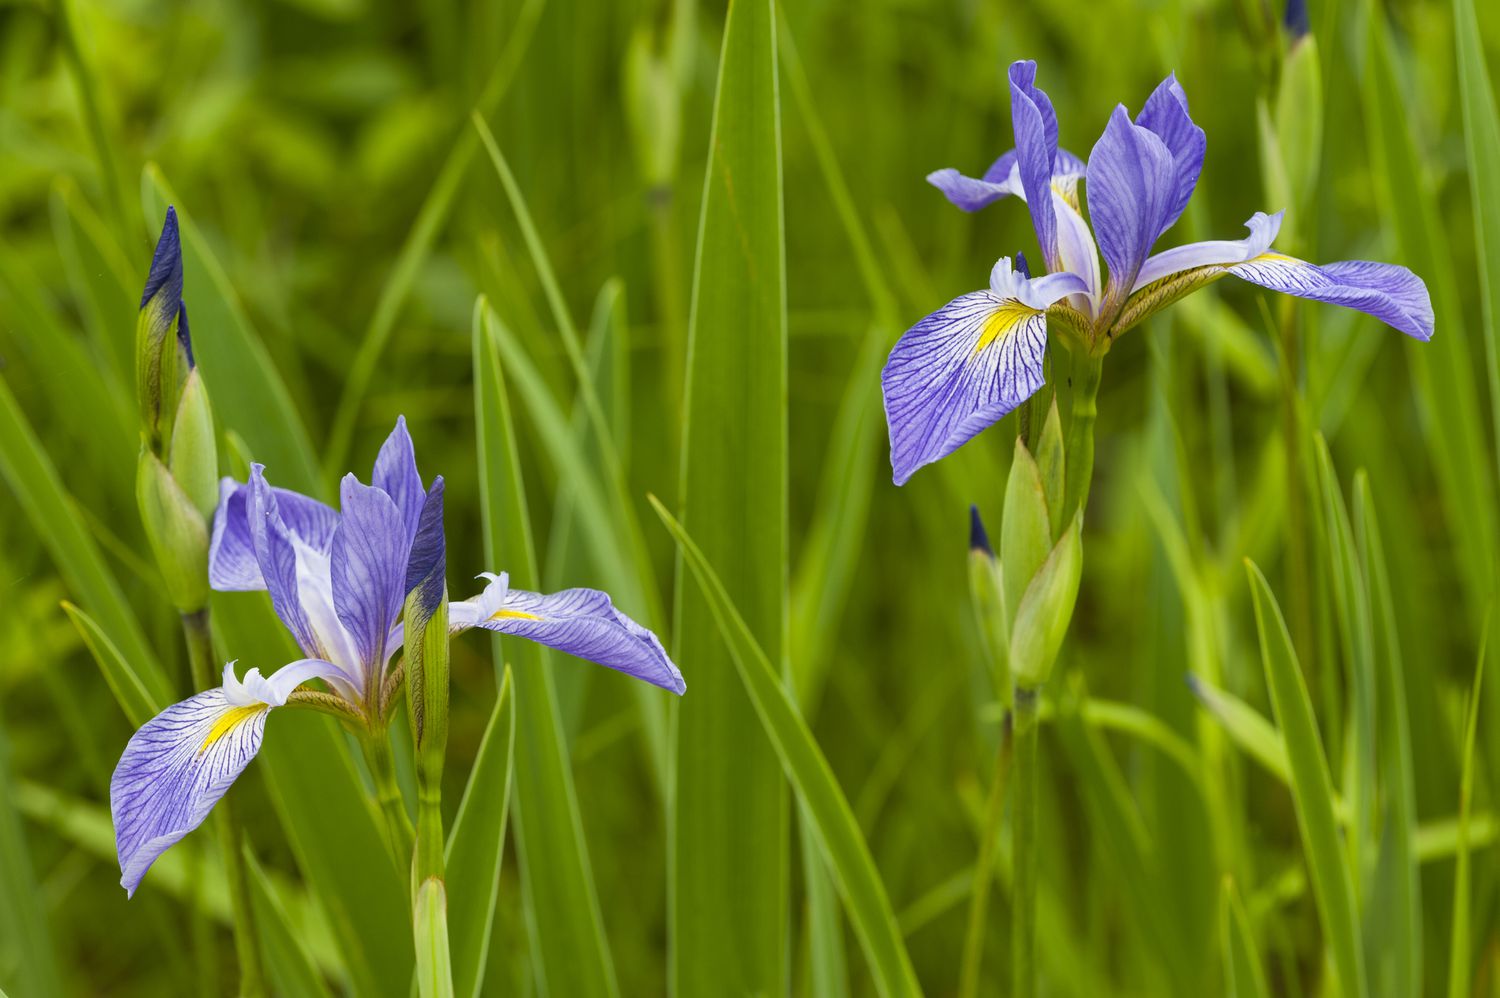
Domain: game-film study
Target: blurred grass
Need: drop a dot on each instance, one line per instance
(311, 143)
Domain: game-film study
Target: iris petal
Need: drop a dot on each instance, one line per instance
(1166, 115)
(396, 474)
(232, 564)
(1002, 179)
(1035, 125)
(963, 367)
(277, 554)
(173, 771)
(1132, 186)
(367, 568)
(581, 622)
(1392, 294)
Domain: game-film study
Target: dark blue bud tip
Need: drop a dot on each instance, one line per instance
(1295, 20)
(166, 264)
(184, 337)
(1022, 267)
(978, 539)
(427, 566)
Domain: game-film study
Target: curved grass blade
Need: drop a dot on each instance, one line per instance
(806, 768)
(138, 703)
(35, 483)
(249, 395)
(476, 847)
(729, 804)
(1243, 975)
(1458, 953)
(1312, 790)
(288, 964)
(568, 945)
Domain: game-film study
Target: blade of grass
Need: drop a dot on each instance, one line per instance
(288, 964)
(729, 804)
(419, 241)
(1458, 953)
(35, 483)
(1243, 975)
(569, 950)
(476, 846)
(807, 769)
(249, 396)
(1312, 790)
(138, 703)
(1396, 902)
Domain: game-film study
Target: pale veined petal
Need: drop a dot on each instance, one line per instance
(581, 622)
(232, 565)
(174, 770)
(963, 367)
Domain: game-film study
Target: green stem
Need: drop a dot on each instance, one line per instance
(1087, 373)
(195, 627)
(984, 869)
(1023, 852)
(400, 835)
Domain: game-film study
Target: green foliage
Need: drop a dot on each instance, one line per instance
(1316, 807)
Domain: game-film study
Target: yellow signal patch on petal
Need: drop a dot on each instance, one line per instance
(230, 720)
(1001, 322)
(513, 615)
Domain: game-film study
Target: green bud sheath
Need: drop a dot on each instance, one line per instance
(1051, 464)
(1046, 610)
(194, 454)
(430, 933)
(177, 531)
(989, 612)
(1025, 531)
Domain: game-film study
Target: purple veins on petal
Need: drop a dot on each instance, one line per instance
(1392, 294)
(232, 563)
(1166, 116)
(367, 565)
(174, 770)
(1132, 186)
(583, 623)
(1035, 125)
(396, 474)
(962, 368)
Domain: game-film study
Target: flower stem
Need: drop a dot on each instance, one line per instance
(196, 628)
(984, 869)
(1087, 373)
(1023, 852)
(400, 835)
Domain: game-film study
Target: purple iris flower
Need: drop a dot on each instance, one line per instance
(975, 359)
(338, 581)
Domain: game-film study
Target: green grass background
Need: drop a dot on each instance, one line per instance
(345, 214)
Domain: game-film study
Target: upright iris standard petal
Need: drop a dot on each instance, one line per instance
(966, 365)
(232, 564)
(1390, 293)
(183, 760)
(1132, 187)
(1166, 116)
(396, 474)
(367, 567)
(276, 551)
(582, 622)
(1035, 125)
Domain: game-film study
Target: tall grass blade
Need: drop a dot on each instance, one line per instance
(139, 704)
(1243, 975)
(1393, 914)
(288, 964)
(1458, 953)
(570, 953)
(729, 806)
(476, 846)
(1312, 791)
(806, 768)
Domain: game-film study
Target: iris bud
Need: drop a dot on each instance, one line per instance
(426, 616)
(1046, 609)
(1051, 464)
(989, 605)
(194, 456)
(1025, 531)
(178, 533)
